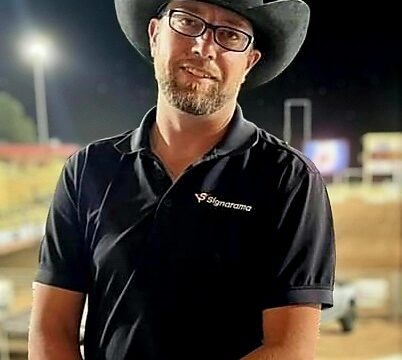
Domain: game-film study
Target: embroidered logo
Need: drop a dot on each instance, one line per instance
(219, 203)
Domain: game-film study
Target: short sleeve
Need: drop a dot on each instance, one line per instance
(62, 257)
(302, 268)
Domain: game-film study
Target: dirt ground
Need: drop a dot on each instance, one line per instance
(377, 339)
(368, 236)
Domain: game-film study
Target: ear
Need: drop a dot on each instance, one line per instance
(252, 58)
(153, 28)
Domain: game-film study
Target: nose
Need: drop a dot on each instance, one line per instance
(205, 46)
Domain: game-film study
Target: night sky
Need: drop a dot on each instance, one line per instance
(349, 66)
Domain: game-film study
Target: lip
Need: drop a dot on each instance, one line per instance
(198, 73)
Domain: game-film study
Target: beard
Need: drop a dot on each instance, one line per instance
(190, 97)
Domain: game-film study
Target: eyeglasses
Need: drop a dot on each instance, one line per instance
(191, 25)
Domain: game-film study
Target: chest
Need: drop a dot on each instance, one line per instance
(205, 226)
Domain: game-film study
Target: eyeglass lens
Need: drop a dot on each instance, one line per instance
(191, 25)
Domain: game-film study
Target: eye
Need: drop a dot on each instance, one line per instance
(231, 35)
(187, 21)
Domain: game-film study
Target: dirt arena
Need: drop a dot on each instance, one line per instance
(369, 245)
(368, 235)
(377, 339)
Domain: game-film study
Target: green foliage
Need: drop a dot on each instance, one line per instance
(15, 125)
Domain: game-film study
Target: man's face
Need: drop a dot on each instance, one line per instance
(195, 74)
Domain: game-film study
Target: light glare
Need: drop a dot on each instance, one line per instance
(37, 48)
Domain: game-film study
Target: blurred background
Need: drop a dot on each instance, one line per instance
(68, 76)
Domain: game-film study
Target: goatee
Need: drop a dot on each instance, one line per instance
(192, 99)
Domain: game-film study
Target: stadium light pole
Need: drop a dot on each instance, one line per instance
(287, 126)
(38, 51)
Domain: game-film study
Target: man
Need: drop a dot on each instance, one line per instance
(197, 235)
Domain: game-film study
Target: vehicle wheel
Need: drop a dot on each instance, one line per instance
(348, 321)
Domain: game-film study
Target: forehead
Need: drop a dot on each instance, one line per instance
(204, 9)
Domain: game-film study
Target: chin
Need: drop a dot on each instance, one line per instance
(193, 85)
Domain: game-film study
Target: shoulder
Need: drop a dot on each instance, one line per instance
(281, 155)
(91, 167)
(281, 165)
(106, 146)
(101, 149)
(97, 157)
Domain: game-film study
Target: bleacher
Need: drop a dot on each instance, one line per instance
(28, 175)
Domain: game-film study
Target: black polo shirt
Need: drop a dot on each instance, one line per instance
(184, 270)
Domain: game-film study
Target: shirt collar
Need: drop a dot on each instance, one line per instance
(138, 139)
(241, 135)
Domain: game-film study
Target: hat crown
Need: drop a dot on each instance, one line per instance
(280, 27)
(239, 4)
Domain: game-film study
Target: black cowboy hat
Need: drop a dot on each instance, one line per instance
(280, 28)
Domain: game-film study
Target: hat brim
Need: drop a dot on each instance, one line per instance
(280, 28)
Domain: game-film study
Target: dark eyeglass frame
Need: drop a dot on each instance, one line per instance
(207, 25)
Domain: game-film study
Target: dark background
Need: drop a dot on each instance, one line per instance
(349, 67)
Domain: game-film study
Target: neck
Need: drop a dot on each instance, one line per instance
(180, 139)
(183, 134)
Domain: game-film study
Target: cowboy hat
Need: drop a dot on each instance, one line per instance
(280, 28)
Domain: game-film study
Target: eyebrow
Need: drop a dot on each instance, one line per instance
(194, 9)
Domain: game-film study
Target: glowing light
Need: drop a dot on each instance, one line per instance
(38, 51)
(37, 48)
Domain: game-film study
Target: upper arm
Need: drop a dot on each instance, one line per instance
(56, 310)
(295, 327)
(64, 255)
(302, 267)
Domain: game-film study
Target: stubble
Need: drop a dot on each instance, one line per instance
(191, 97)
